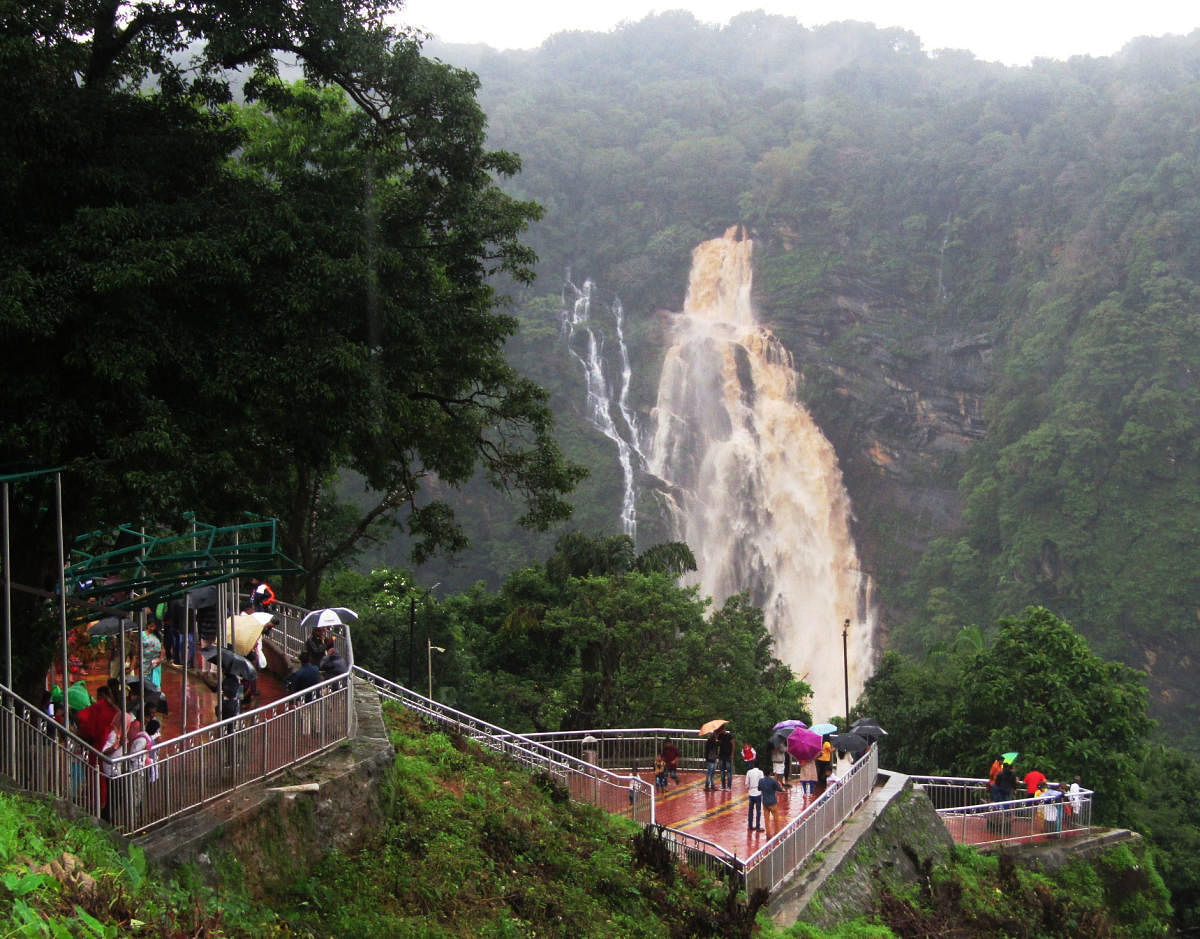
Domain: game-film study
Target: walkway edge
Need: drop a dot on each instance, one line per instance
(789, 901)
(328, 801)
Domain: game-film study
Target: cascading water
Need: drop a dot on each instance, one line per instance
(576, 321)
(752, 485)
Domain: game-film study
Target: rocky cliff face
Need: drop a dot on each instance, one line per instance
(901, 405)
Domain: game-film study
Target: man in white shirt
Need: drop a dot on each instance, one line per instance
(755, 803)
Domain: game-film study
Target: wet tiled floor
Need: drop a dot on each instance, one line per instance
(720, 816)
(201, 699)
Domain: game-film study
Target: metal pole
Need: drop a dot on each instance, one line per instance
(429, 651)
(412, 648)
(62, 598)
(846, 669)
(8, 603)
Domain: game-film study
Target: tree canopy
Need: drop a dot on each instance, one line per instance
(215, 309)
(1037, 689)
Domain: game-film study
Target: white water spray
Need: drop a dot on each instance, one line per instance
(752, 485)
(576, 320)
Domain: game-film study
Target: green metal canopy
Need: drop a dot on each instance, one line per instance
(150, 567)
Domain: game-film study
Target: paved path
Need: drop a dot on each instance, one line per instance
(719, 816)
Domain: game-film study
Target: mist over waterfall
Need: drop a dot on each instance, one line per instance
(612, 416)
(752, 485)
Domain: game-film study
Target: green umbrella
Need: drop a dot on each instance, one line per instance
(1010, 756)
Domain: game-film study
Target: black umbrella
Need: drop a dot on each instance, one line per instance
(143, 686)
(232, 663)
(869, 728)
(850, 742)
(110, 626)
(203, 598)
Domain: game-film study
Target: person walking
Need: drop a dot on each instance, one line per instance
(754, 804)
(725, 758)
(710, 763)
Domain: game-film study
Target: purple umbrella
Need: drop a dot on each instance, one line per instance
(803, 744)
(788, 725)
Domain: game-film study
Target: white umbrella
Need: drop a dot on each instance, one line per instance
(330, 616)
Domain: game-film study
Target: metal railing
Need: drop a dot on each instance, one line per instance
(771, 864)
(963, 806)
(586, 782)
(626, 748)
(134, 793)
(793, 845)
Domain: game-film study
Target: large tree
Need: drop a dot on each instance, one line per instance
(187, 331)
(1037, 689)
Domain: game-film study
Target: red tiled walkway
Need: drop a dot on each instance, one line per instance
(720, 816)
(201, 700)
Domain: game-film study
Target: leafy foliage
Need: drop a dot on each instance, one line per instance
(1037, 689)
(215, 309)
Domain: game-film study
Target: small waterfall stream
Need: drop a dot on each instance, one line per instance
(577, 328)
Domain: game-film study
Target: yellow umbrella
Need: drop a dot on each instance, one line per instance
(246, 628)
(711, 726)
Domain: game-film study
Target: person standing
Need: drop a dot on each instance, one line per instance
(1006, 783)
(779, 763)
(670, 754)
(261, 596)
(1075, 795)
(710, 763)
(824, 762)
(808, 779)
(770, 787)
(754, 803)
(151, 660)
(725, 758)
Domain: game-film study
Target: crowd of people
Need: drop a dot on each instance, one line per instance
(1056, 806)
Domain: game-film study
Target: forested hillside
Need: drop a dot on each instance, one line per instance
(987, 276)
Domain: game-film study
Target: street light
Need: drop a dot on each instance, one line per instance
(846, 668)
(431, 649)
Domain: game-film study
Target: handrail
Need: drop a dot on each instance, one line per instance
(960, 803)
(803, 836)
(585, 781)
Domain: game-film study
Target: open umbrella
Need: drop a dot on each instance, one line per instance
(142, 686)
(246, 628)
(203, 598)
(849, 743)
(711, 726)
(866, 727)
(803, 744)
(330, 616)
(110, 626)
(1010, 756)
(788, 725)
(823, 729)
(231, 662)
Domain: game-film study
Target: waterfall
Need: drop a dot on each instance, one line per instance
(575, 316)
(752, 485)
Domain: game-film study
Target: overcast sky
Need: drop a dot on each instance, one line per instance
(1014, 32)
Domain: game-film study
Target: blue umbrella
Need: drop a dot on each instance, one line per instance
(824, 729)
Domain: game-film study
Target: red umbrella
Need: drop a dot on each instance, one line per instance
(803, 744)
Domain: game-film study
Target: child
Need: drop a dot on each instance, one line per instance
(660, 772)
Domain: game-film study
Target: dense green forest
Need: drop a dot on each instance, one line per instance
(907, 205)
(340, 304)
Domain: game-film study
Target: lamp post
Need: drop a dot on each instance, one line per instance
(431, 649)
(846, 668)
